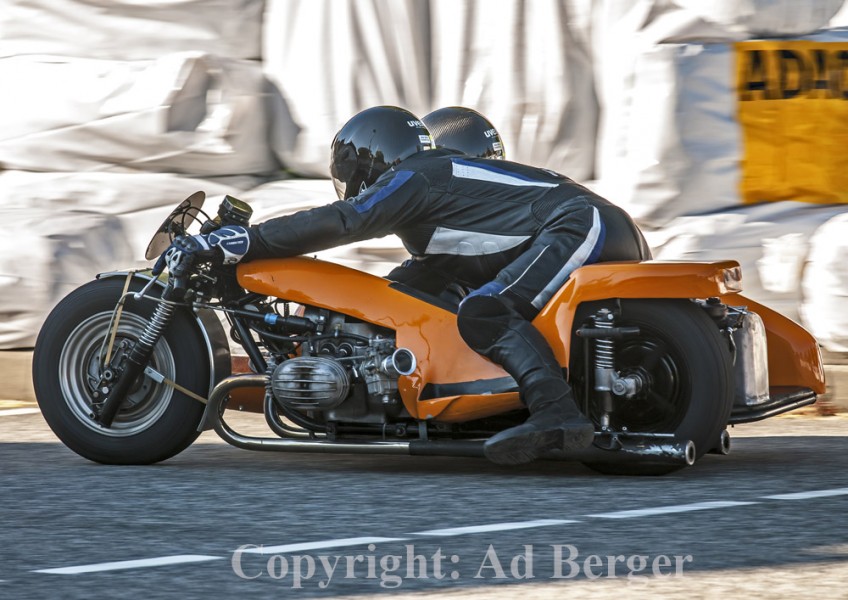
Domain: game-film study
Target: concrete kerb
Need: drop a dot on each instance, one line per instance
(16, 374)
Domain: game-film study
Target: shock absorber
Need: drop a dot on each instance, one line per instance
(607, 380)
(155, 328)
(604, 362)
(604, 346)
(136, 361)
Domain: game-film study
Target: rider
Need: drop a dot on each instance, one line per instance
(467, 131)
(513, 232)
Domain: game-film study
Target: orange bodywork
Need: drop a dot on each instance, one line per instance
(794, 358)
(430, 332)
(649, 279)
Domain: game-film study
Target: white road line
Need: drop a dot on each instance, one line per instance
(664, 510)
(14, 412)
(454, 531)
(812, 494)
(340, 543)
(131, 564)
(494, 527)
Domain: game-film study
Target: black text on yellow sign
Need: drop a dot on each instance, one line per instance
(793, 116)
(783, 73)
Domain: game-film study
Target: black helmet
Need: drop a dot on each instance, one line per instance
(465, 130)
(370, 143)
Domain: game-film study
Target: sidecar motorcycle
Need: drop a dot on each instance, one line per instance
(662, 356)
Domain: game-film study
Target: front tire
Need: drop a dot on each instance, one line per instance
(687, 366)
(155, 421)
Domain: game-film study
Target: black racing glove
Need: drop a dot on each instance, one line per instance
(232, 241)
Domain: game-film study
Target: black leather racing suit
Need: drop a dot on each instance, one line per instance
(510, 232)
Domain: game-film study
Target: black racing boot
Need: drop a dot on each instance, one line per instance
(500, 333)
(554, 424)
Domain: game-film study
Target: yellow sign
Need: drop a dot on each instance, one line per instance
(793, 111)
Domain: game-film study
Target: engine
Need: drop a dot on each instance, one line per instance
(346, 372)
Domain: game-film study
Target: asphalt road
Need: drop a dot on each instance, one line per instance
(768, 520)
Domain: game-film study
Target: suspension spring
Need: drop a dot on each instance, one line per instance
(160, 319)
(604, 347)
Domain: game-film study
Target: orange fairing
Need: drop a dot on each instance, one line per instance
(443, 358)
(793, 353)
(649, 279)
(428, 331)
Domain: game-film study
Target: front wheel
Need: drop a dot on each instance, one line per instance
(686, 367)
(155, 421)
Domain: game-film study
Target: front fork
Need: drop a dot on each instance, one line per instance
(608, 381)
(134, 363)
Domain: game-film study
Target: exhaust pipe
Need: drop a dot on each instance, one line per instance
(215, 410)
(645, 452)
(723, 447)
(651, 451)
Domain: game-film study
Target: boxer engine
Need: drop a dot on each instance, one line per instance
(346, 371)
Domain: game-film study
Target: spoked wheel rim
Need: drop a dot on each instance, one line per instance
(79, 372)
(662, 403)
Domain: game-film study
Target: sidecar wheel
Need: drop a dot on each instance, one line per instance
(686, 363)
(155, 421)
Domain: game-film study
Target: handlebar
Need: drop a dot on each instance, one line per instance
(177, 284)
(231, 211)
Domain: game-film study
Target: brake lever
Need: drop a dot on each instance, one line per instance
(154, 273)
(140, 294)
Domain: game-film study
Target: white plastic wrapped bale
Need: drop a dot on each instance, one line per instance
(61, 229)
(52, 253)
(521, 64)
(669, 143)
(840, 19)
(527, 67)
(825, 285)
(129, 29)
(333, 58)
(667, 140)
(770, 240)
(765, 18)
(189, 113)
(696, 128)
(635, 74)
(618, 26)
(376, 256)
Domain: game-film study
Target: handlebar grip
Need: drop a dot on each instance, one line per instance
(177, 287)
